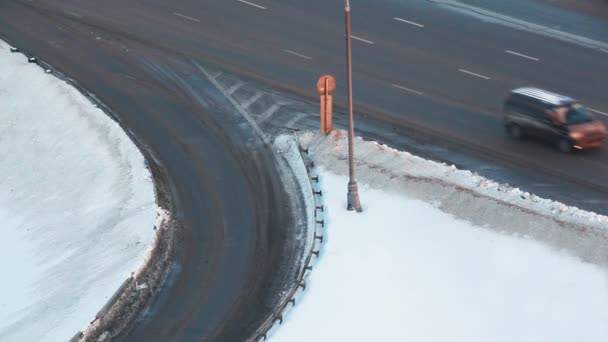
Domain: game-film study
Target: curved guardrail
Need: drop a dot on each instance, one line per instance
(313, 252)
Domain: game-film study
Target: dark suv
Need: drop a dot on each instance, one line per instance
(556, 118)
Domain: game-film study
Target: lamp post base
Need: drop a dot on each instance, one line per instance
(352, 198)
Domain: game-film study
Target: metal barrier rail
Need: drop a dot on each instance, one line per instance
(317, 239)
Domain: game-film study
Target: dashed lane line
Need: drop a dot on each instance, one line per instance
(362, 40)
(251, 4)
(297, 54)
(408, 22)
(474, 74)
(186, 17)
(73, 14)
(597, 111)
(407, 89)
(522, 55)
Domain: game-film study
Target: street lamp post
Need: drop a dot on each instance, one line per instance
(353, 202)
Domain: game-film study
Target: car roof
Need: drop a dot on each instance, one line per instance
(544, 95)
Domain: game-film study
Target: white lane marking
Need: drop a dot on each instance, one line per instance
(494, 17)
(522, 55)
(474, 74)
(407, 89)
(235, 87)
(186, 17)
(597, 111)
(234, 103)
(361, 39)
(297, 54)
(269, 112)
(292, 122)
(408, 22)
(249, 102)
(251, 4)
(74, 14)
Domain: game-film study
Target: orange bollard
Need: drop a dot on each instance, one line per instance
(325, 86)
(327, 101)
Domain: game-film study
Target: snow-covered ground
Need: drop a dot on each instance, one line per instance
(76, 205)
(412, 266)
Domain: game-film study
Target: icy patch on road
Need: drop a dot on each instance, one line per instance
(76, 205)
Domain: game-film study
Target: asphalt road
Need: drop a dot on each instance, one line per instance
(598, 8)
(236, 248)
(440, 60)
(420, 67)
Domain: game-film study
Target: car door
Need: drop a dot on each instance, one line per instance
(515, 113)
(533, 118)
(547, 128)
(544, 125)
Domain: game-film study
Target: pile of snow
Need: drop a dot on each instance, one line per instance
(287, 146)
(467, 195)
(381, 158)
(403, 270)
(411, 268)
(76, 205)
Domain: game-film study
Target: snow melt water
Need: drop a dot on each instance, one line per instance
(76, 205)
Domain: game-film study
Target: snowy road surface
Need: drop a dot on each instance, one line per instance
(405, 270)
(76, 205)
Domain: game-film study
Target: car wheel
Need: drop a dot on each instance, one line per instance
(515, 131)
(564, 145)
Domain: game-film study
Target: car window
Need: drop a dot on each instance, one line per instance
(534, 110)
(526, 106)
(514, 105)
(577, 114)
(558, 115)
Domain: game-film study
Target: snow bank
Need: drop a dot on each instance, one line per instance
(76, 202)
(442, 253)
(287, 146)
(403, 270)
(467, 195)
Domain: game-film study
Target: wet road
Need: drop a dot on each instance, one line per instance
(434, 69)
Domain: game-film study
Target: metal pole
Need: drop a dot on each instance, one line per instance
(352, 198)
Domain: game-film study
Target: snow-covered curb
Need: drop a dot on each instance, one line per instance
(466, 195)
